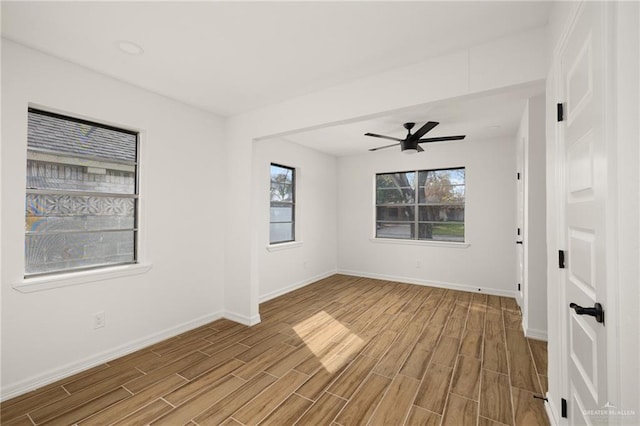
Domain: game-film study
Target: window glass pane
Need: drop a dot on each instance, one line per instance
(282, 185)
(437, 186)
(448, 176)
(395, 230)
(70, 175)
(57, 213)
(67, 136)
(281, 192)
(280, 232)
(281, 174)
(441, 231)
(395, 213)
(441, 213)
(281, 212)
(396, 180)
(395, 188)
(65, 251)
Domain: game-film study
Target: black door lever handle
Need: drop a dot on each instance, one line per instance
(596, 311)
(518, 242)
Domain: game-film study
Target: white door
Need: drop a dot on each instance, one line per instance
(582, 133)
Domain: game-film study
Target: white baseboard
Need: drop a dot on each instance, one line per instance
(430, 283)
(535, 334)
(70, 369)
(242, 319)
(299, 284)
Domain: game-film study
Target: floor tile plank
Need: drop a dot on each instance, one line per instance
(145, 415)
(460, 412)
(362, 405)
(432, 393)
(521, 368)
(185, 412)
(323, 411)
(466, 378)
(232, 402)
(421, 417)
(395, 404)
(132, 404)
(288, 412)
(495, 397)
(256, 410)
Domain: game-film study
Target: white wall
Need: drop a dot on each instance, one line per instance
(284, 267)
(49, 333)
(488, 263)
(531, 150)
(535, 238)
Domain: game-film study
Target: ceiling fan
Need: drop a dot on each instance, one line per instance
(410, 143)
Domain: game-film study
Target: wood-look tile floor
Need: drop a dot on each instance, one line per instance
(342, 351)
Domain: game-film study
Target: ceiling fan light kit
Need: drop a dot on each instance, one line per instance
(410, 144)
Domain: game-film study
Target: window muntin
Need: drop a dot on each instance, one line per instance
(81, 196)
(282, 208)
(421, 205)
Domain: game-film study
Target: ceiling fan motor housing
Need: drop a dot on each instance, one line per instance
(408, 144)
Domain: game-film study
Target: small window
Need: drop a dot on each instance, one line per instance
(282, 222)
(421, 205)
(81, 196)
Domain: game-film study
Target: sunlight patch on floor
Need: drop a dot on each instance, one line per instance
(329, 340)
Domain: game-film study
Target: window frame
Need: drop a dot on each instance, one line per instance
(415, 206)
(294, 177)
(76, 275)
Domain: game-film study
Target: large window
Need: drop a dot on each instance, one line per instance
(81, 195)
(421, 205)
(282, 222)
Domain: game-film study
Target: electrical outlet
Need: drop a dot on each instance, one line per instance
(98, 320)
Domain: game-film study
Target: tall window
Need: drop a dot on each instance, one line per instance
(282, 223)
(421, 205)
(81, 202)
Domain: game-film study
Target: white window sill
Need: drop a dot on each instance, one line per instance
(49, 282)
(284, 246)
(448, 244)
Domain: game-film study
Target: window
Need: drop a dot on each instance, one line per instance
(282, 223)
(81, 196)
(421, 205)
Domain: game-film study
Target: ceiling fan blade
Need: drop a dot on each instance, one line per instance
(383, 137)
(442, 139)
(383, 147)
(423, 130)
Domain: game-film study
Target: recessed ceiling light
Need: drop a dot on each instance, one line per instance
(130, 47)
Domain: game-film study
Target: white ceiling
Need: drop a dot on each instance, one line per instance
(230, 57)
(479, 118)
